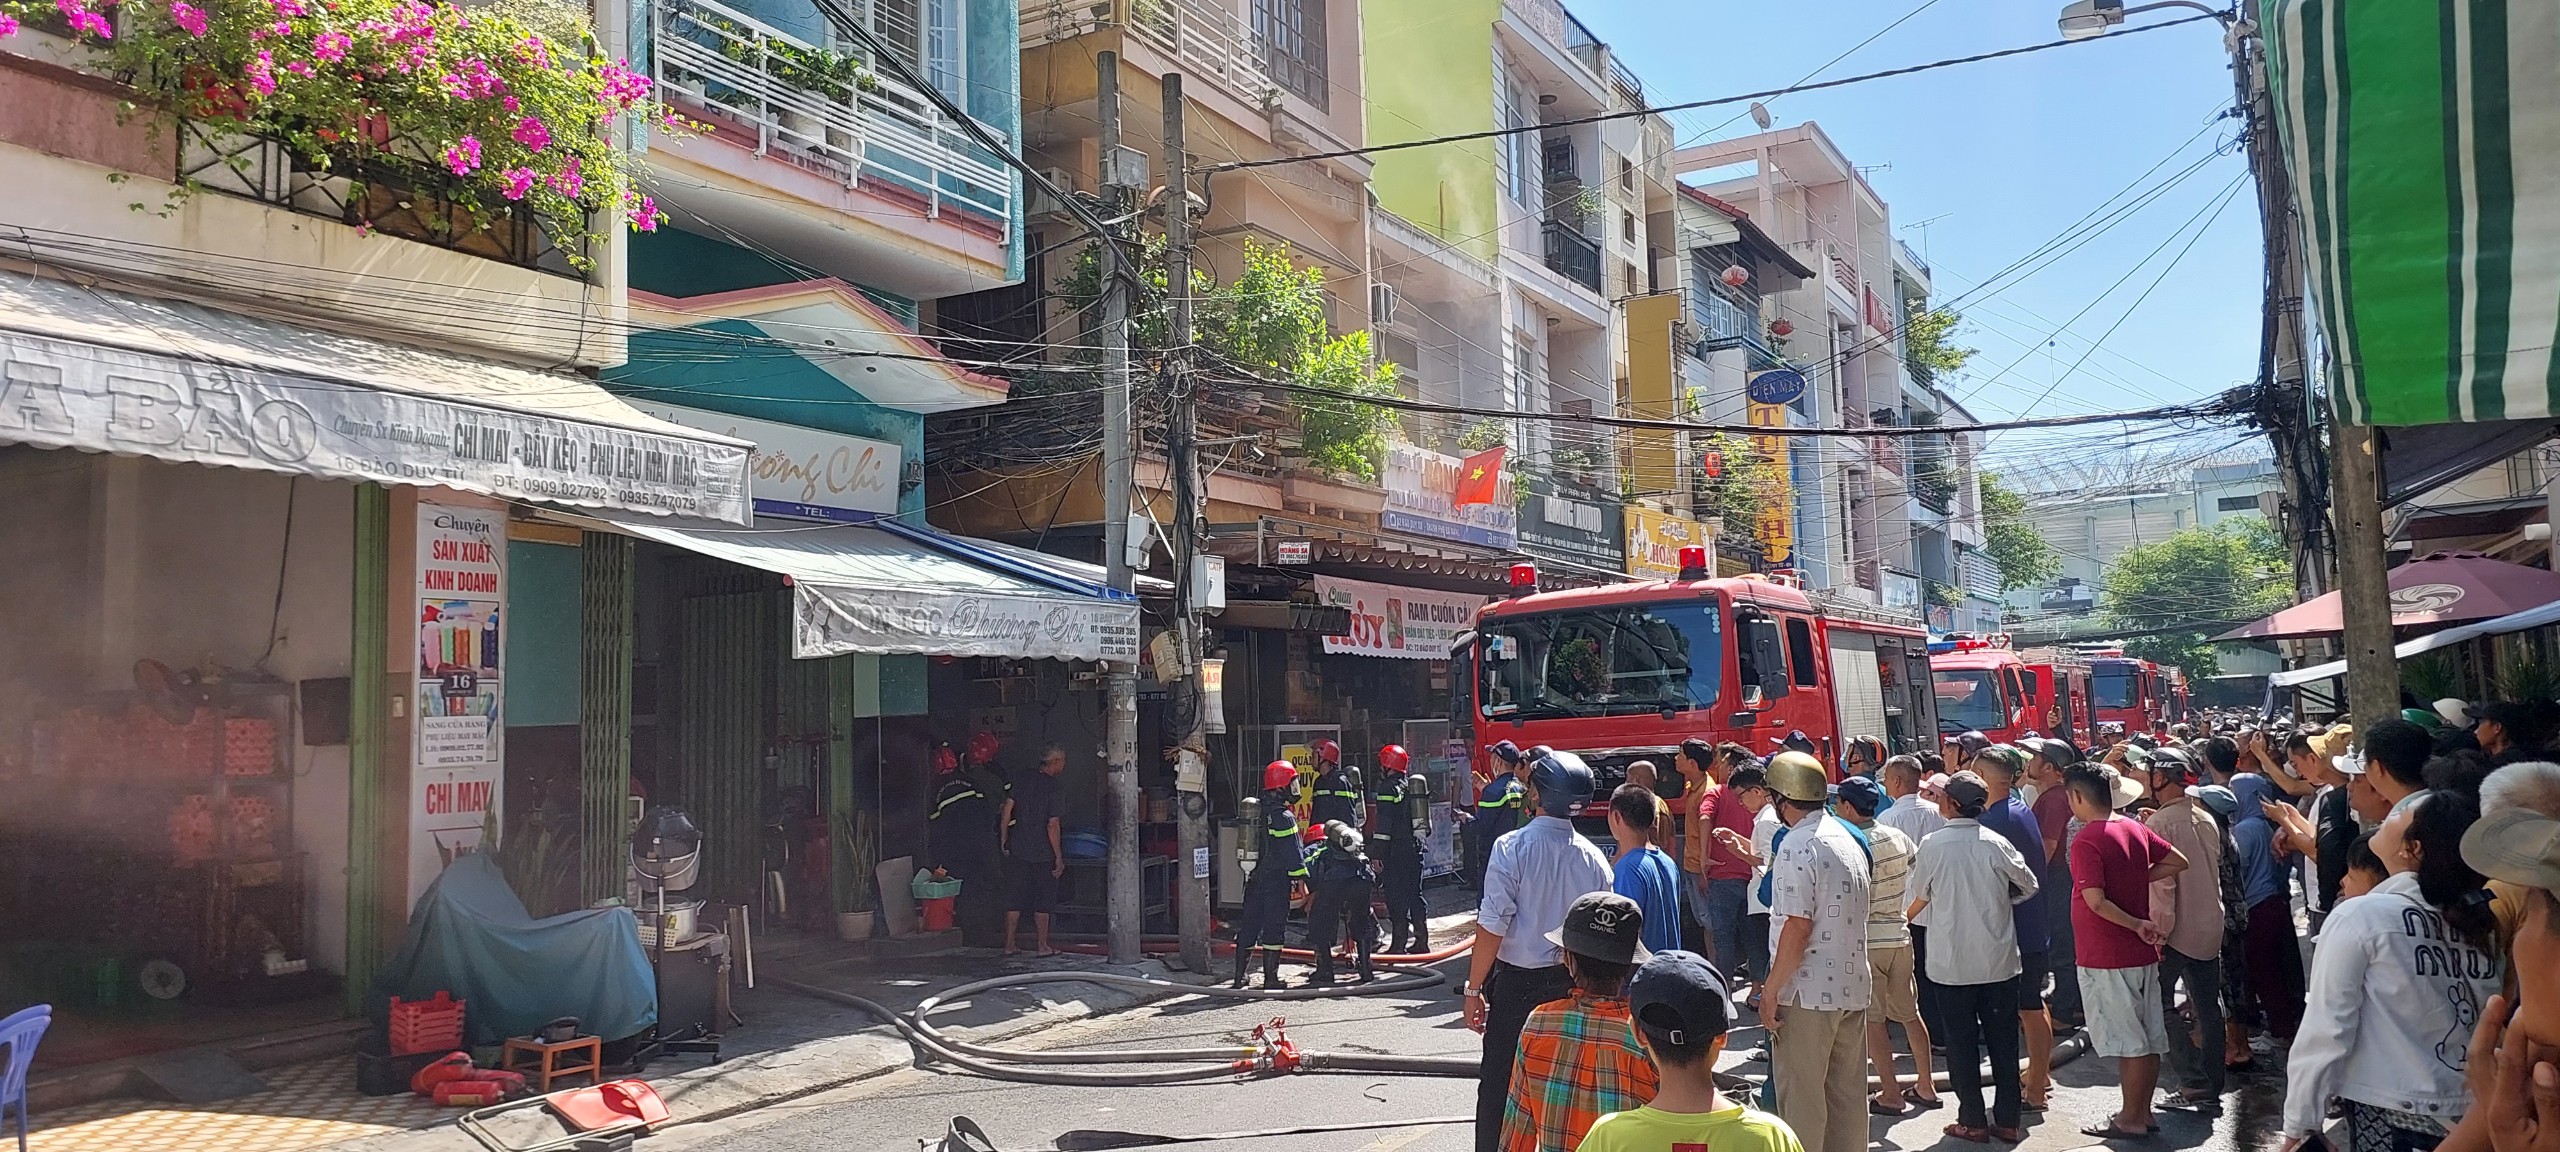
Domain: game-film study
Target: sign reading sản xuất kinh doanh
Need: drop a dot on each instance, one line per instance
(458, 781)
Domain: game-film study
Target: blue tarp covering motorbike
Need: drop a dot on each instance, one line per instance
(471, 936)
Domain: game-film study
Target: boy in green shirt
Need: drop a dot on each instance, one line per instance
(1682, 1009)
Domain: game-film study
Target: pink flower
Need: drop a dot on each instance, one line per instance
(472, 79)
(463, 156)
(262, 73)
(513, 104)
(331, 46)
(189, 17)
(535, 51)
(84, 20)
(300, 68)
(8, 25)
(568, 181)
(645, 215)
(280, 28)
(623, 88)
(289, 8)
(519, 183)
(532, 133)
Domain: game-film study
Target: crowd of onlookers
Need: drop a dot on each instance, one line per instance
(1960, 909)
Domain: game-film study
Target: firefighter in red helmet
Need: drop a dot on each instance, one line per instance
(1337, 790)
(960, 838)
(1400, 812)
(1279, 875)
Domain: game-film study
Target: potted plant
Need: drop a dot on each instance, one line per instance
(861, 831)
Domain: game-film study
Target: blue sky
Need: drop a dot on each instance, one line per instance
(1999, 158)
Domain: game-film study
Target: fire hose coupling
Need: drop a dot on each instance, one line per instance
(1275, 1051)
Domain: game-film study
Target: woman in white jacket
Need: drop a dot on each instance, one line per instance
(2396, 984)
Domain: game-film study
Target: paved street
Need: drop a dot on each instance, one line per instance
(898, 1109)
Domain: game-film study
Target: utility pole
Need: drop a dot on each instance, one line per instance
(1124, 911)
(2364, 580)
(2285, 408)
(1182, 451)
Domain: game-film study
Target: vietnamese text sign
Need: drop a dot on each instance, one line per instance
(801, 472)
(1422, 493)
(68, 394)
(1654, 541)
(1399, 623)
(458, 777)
(831, 620)
(1571, 528)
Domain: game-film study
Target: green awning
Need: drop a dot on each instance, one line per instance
(2423, 139)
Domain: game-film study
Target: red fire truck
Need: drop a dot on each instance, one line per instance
(1627, 671)
(1983, 686)
(2131, 692)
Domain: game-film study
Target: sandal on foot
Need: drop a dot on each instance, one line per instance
(1877, 1106)
(2109, 1131)
(1923, 1103)
(1971, 1135)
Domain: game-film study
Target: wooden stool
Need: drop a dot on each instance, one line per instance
(543, 1062)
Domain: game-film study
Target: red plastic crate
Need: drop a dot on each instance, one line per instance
(426, 1025)
(248, 746)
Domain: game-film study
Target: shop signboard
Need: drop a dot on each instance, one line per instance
(1395, 622)
(1901, 590)
(1776, 530)
(1294, 552)
(1559, 526)
(1422, 498)
(69, 394)
(458, 776)
(1654, 541)
(804, 473)
(832, 620)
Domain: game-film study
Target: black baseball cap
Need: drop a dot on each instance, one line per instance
(1679, 998)
(1603, 926)
(1967, 790)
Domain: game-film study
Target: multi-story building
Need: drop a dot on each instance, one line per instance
(2091, 524)
(1794, 278)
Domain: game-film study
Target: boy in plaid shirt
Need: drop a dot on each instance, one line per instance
(1579, 1057)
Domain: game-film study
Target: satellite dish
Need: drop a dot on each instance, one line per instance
(1760, 115)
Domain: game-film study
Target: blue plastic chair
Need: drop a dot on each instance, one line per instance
(18, 1036)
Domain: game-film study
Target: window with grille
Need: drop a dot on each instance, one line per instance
(1289, 36)
(946, 56)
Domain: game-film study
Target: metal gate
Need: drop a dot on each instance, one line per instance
(723, 731)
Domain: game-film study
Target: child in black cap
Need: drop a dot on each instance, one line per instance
(1682, 1009)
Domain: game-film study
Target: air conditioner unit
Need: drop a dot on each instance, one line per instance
(1382, 304)
(1042, 202)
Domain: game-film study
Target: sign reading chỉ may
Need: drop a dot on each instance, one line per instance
(459, 778)
(71, 394)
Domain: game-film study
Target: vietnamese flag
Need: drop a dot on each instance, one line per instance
(1480, 477)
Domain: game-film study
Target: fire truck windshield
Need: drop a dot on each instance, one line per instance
(1970, 700)
(2114, 687)
(1601, 661)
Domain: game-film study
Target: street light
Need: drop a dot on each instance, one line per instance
(2088, 19)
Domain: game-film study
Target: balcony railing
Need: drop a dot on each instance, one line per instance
(1551, 22)
(1911, 257)
(744, 75)
(1724, 324)
(1208, 39)
(1572, 255)
(409, 197)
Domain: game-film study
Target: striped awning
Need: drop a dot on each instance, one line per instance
(2423, 140)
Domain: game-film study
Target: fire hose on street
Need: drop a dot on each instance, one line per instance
(1269, 1053)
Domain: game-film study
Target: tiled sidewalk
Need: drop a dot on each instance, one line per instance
(306, 1106)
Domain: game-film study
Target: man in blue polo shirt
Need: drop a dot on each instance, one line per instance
(2000, 766)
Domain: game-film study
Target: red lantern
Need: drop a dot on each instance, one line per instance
(1735, 276)
(1712, 463)
(1782, 329)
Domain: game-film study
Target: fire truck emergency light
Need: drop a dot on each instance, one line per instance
(1693, 562)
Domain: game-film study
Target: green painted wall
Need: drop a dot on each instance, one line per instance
(544, 634)
(1428, 72)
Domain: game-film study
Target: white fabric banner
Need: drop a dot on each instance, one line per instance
(832, 619)
(1395, 622)
(71, 394)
